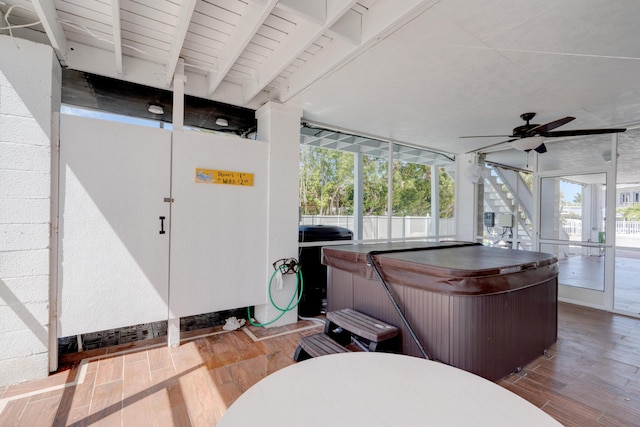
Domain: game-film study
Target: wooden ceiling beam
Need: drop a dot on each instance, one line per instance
(252, 19)
(182, 26)
(296, 42)
(117, 35)
(382, 19)
(46, 11)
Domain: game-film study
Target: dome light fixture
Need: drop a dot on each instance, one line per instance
(156, 109)
(526, 144)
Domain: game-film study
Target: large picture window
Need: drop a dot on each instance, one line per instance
(344, 181)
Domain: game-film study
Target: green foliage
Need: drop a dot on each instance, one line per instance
(630, 213)
(411, 189)
(447, 195)
(375, 186)
(326, 181)
(528, 179)
(326, 185)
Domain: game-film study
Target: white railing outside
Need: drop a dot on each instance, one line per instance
(375, 227)
(628, 227)
(573, 227)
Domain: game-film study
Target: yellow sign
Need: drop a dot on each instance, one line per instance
(212, 176)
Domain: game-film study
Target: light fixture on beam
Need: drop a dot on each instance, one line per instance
(222, 122)
(155, 109)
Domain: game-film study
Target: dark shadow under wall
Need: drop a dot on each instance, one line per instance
(145, 331)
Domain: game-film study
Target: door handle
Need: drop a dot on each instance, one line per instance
(162, 225)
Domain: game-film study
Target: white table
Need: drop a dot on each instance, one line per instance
(379, 389)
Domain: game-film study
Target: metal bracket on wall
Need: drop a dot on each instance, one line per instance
(168, 199)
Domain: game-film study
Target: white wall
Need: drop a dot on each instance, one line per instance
(30, 82)
(280, 126)
(29, 98)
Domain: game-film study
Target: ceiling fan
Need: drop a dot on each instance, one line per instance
(530, 136)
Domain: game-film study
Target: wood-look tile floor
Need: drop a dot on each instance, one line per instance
(591, 376)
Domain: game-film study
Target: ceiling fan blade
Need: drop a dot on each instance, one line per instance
(578, 132)
(551, 125)
(489, 146)
(486, 136)
(541, 149)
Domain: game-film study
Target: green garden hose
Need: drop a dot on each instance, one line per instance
(298, 291)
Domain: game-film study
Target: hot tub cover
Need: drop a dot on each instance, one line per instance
(449, 267)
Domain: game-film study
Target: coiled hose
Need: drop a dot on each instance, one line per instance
(286, 268)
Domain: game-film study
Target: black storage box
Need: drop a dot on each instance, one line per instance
(314, 274)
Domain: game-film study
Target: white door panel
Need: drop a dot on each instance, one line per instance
(219, 232)
(113, 263)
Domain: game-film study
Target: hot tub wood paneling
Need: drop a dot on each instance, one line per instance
(489, 320)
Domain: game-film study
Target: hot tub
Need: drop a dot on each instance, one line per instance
(486, 310)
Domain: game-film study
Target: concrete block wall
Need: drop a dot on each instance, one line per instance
(29, 97)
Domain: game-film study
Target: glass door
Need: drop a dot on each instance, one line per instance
(572, 225)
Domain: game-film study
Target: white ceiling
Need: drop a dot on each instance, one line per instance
(417, 72)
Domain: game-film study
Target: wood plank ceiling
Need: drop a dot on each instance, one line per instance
(417, 72)
(233, 51)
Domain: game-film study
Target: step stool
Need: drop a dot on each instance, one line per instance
(317, 345)
(340, 328)
(380, 336)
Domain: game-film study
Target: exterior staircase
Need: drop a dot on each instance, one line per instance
(507, 193)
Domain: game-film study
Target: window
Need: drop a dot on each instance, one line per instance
(624, 198)
(414, 173)
(327, 191)
(344, 181)
(103, 115)
(326, 182)
(121, 118)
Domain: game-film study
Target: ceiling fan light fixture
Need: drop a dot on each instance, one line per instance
(526, 144)
(530, 136)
